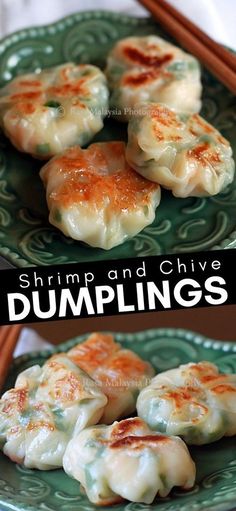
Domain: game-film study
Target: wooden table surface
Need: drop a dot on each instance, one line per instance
(214, 322)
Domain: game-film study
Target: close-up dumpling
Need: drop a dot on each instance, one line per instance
(44, 113)
(184, 154)
(121, 378)
(119, 373)
(128, 461)
(94, 196)
(193, 401)
(141, 69)
(47, 406)
(94, 351)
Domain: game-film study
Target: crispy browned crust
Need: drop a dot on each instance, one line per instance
(110, 502)
(139, 57)
(32, 92)
(125, 427)
(16, 400)
(109, 364)
(91, 182)
(137, 443)
(93, 352)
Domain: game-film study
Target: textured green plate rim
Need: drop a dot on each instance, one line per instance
(215, 490)
(181, 225)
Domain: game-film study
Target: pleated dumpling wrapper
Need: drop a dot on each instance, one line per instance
(47, 406)
(128, 461)
(44, 113)
(193, 401)
(141, 69)
(184, 154)
(94, 196)
(120, 373)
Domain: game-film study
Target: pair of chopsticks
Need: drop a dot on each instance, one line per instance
(216, 58)
(9, 336)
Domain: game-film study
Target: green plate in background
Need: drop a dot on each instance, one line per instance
(215, 489)
(181, 225)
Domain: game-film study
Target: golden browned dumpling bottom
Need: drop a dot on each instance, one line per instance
(46, 407)
(194, 401)
(94, 196)
(120, 373)
(128, 461)
(44, 113)
(148, 68)
(183, 153)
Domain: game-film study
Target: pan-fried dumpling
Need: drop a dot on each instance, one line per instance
(47, 112)
(194, 401)
(182, 153)
(119, 373)
(94, 351)
(94, 196)
(128, 461)
(47, 406)
(121, 378)
(141, 69)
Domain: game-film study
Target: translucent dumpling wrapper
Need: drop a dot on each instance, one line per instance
(128, 461)
(120, 373)
(44, 113)
(193, 401)
(184, 154)
(94, 196)
(141, 69)
(47, 406)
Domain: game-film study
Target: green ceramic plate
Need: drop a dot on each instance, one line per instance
(26, 237)
(215, 489)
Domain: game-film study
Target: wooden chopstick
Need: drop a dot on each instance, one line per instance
(3, 334)
(195, 41)
(225, 55)
(9, 336)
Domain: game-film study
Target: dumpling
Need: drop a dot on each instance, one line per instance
(94, 196)
(118, 372)
(94, 351)
(44, 113)
(68, 386)
(47, 406)
(194, 401)
(141, 69)
(121, 378)
(128, 461)
(182, 153)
